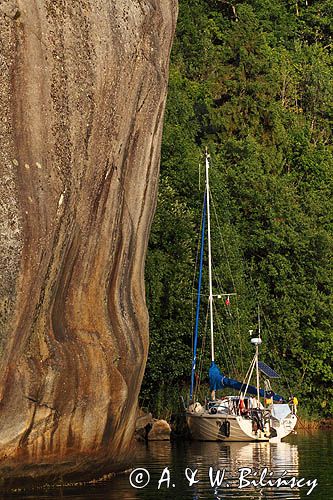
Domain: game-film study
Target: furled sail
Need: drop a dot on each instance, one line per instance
(219, 381)
(196, 328)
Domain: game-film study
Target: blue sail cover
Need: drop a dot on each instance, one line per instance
(218, 381)
(215, 377)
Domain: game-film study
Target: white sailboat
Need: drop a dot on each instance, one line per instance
(241, 417)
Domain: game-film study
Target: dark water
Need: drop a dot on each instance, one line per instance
(306, 455)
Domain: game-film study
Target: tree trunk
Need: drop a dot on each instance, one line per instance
(82, 95)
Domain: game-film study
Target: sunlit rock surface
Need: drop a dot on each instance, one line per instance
(82, 95)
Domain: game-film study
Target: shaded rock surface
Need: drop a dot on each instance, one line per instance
(143, 420)
(144, 423)
(82, 95)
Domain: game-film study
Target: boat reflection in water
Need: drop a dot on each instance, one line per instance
(179, 457)
(241, 464)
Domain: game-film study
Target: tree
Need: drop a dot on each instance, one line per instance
(254, 83)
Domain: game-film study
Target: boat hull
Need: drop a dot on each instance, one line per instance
(207, 427)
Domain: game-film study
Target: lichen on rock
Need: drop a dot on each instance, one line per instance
(82, 94)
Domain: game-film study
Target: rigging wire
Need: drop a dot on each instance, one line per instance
(232, 349)
(223, 336)
(194, 290)
(203, 350)
(249, 375)
(233, 283)
(275, 360)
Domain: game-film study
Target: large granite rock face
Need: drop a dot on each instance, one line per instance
(82, 94)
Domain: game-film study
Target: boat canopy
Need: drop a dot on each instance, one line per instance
(219, 381)
(280, 411)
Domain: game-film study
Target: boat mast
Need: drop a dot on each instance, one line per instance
(209, 261)
(257, 341)
(257, 353)
(257, 369)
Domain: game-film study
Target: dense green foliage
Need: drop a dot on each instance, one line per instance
(252, 81)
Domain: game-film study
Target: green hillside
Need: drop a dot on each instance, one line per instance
(252, 81)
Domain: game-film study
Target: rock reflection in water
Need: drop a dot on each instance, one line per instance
(199, 456)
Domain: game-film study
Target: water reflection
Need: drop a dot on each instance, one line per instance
(232, 460)
(308, 456)
(241, 463)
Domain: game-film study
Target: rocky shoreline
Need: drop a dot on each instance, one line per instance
(151, 429)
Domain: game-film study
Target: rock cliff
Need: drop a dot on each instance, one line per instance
(82, 95)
